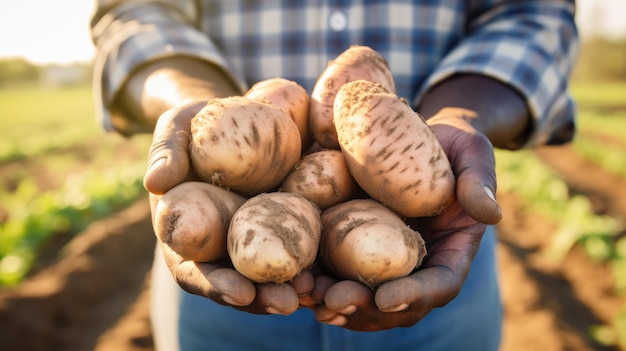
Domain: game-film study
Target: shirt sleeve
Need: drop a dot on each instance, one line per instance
(530, 45)
(128, 34)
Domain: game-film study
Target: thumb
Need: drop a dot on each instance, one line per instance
(472, 159)
(477, 198)
(169, 163)
(476, 180)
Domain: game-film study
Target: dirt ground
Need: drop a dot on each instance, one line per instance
(95, 295)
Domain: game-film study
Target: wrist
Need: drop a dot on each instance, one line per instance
(167, 83)
(491, 107)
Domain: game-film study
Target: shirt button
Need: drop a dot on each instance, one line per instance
(338, 21)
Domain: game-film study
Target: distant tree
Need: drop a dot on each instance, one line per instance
(17, 70)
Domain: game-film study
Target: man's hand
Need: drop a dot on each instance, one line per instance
(220, 282)
(452, 237)
(452, 240)
(169, 166)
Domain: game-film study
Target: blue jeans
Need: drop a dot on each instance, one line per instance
(186, 322)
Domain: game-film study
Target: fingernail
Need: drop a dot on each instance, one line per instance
(229, 300)
(398, 308)
(350, 309)
(338, 321)
(272, 310)
(490, 193)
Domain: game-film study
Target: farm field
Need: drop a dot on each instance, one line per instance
(76, 242)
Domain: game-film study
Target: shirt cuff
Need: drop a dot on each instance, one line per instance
(526, 68)
(138, 44)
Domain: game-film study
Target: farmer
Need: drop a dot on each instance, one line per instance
(491, 73)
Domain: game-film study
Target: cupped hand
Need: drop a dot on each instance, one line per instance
(452, 240)
(169, 165)
(220, 282)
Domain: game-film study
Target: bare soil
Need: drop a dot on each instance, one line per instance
(94, 294)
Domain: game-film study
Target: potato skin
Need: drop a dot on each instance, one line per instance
(391, 151)
(290, 97)
(274, 236)
(362, 240)
(323, 178)
(193, 219)
(244, 145)
(355, 63)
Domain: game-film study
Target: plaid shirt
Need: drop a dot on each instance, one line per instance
(530, 45)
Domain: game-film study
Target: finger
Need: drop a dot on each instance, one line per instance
(277, 298)
(168, 156)
(304, 284)
(441, 278)
(439, 281)
(477, 196)
(473, 162)
(429, 288)
(476, 181)
(326, 316)
(346, 296)
(223, 285)
(322, 284)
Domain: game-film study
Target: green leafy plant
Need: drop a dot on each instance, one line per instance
(542, 191)
(34, 216)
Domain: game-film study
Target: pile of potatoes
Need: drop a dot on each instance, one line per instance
(287, 179)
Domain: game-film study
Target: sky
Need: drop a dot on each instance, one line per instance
(56, 31)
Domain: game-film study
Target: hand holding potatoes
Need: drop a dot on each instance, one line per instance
(194, 248)
(452, 238)
(242, 149)
(218, 280)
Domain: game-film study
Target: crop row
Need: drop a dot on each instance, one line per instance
(58, 171)
(34, 217)
(543, 191)
(44, 120)
(602, 140)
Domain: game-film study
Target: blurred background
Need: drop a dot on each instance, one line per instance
(75, 235)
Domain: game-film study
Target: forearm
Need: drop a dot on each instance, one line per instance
(492, 107)
(161, 85)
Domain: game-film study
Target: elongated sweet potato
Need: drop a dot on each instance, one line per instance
(365, 241)
(391, 151)
(244, 145)
(193, 219)
(274, 236)
(356, 63)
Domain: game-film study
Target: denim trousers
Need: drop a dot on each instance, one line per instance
(186, 322)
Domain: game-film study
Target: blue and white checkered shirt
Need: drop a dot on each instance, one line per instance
(530, 45)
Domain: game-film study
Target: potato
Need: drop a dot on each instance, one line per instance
(274, 236)
(322, 178)
(391, 152)
(193, 219)
(290, 97)
(243, 145)
(363, 240)
(356, 63)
